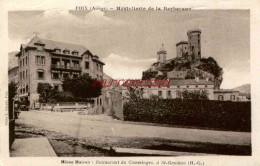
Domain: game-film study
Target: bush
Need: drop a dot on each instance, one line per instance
(223, 115)
(68, 97)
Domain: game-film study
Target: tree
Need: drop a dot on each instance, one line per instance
(195, 94)
(210, 65)
(82, 87)
(12, 87)
(46, 92)
(134, 94)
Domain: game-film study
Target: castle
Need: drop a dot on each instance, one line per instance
(188, 63)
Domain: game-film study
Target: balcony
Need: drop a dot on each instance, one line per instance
(54, 66)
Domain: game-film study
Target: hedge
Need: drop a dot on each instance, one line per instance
(221, 115)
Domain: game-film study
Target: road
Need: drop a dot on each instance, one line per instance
(96, 126)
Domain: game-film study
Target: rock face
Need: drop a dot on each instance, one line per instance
(207, 68)
(188, 63)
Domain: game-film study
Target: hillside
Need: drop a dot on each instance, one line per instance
(243, 88)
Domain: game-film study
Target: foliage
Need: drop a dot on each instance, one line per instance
(221, 115)
(160, 77)
(82, 87)
(46, 92)
(12, 87)
(148, 75)
(193, 94)
(210, 65)
(153, 96)
(134, 94)
(68, 97)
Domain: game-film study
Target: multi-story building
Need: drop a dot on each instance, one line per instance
(176, 85)
(47, 61)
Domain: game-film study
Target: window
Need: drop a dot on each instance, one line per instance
(55, 75)
(65, 75)
(23, 74)
(26, 73)
(178, 86)
(169, 94)
(75, 75)
(20, 63)
(199, 53)
(42, 60)
(206, 86)
(192, 48)
(97, 67)
(220, 97)
(26, 88)
(23, 62)
(97, 101)
(160, 93)
(40, 74)
(38, 60)
(86, 65)
(196, 86)
(232, 97)
(100, 102)
(56, 87)
(188, 86)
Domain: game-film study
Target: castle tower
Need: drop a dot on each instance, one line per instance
(181, 49)
(161, 55)
(194, 44)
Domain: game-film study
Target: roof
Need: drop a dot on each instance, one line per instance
(99, 61)
(178, 82)
(243, 94)
(50, 44)
(181, 42)
(174, 82)
(225, 91)
(39, 42)
(193, 30)
(162, 50)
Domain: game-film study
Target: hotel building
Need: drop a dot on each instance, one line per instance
(47, 61)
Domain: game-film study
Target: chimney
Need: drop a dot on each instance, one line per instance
(197, 79)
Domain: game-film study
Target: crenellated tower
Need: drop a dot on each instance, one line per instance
(194, 44)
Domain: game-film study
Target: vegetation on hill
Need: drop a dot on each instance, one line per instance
(210, 65)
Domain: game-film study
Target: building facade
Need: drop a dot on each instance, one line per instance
(47, 61)
(226, 95)
(176, 85)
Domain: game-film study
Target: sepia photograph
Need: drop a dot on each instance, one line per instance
(109, 83)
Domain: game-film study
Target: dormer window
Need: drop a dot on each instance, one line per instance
(57, 50)
(66, 51)
(75, 52)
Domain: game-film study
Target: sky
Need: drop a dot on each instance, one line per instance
(128, 41)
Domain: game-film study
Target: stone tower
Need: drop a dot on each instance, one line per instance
(161, 55)
(181, 49)
(194, 44)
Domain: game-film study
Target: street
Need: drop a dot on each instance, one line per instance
(104, 128)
